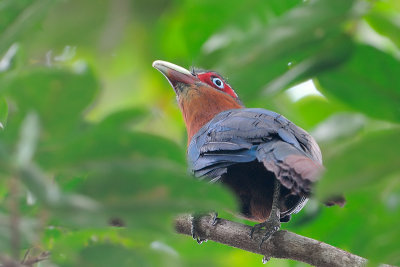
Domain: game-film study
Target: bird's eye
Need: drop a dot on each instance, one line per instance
(218, 82)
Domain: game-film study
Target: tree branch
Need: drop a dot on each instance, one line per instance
(283, 244)
(32, 260)
(27, 261)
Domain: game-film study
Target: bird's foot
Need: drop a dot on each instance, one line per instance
(195, 233)
(195, 221)
(266, 259)
(214, 218)
(269, 227)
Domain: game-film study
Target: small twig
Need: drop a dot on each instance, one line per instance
(6, 261)
(26, 255)
(14, 218)
(32, 260)
(283, 244)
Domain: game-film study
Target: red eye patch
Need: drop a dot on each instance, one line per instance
(214, 80)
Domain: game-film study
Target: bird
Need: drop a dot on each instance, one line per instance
(268, 162)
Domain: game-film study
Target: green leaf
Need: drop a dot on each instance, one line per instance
(339, 128)
(368, 82)
(143, 193)
(105, 247)
(103, 142)
(49, 193)
(59, 97)
(104, 255)
(384, 19)
(333, 52)
(221, 26)
(363, 163)
(313, 109)
(385, 26)
(71, 209)
(29, 135)
(3, 112)
(364, 226)
(308, 35)
(121, 118)
(18, 17)
(153, 189)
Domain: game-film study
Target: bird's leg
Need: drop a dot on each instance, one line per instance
(195, 220)
(272, 224)
(214, 218)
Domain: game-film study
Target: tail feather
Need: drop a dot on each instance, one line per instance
(292, 167)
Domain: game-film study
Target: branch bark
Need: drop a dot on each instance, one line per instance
(6, 261)
(282, 244)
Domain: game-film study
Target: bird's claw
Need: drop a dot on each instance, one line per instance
(268, 234)
(195, 221)
(194, 233)
(214, 218)
(270, 227)
(257, 227)
(266, 259)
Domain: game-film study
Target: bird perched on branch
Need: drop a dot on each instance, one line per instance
(268, 162)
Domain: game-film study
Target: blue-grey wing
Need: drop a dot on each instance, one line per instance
(245, 135)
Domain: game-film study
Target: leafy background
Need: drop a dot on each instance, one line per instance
(90, 131)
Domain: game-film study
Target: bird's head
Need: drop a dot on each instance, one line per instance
(201, 94)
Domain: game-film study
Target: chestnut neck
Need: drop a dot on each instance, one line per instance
(199, 105)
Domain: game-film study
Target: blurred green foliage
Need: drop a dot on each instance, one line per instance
(90, 132)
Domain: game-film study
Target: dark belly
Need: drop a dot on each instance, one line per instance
(253, 186)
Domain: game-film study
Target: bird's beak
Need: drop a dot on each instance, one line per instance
(178, 77)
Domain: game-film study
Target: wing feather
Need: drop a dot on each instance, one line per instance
(243, 135)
